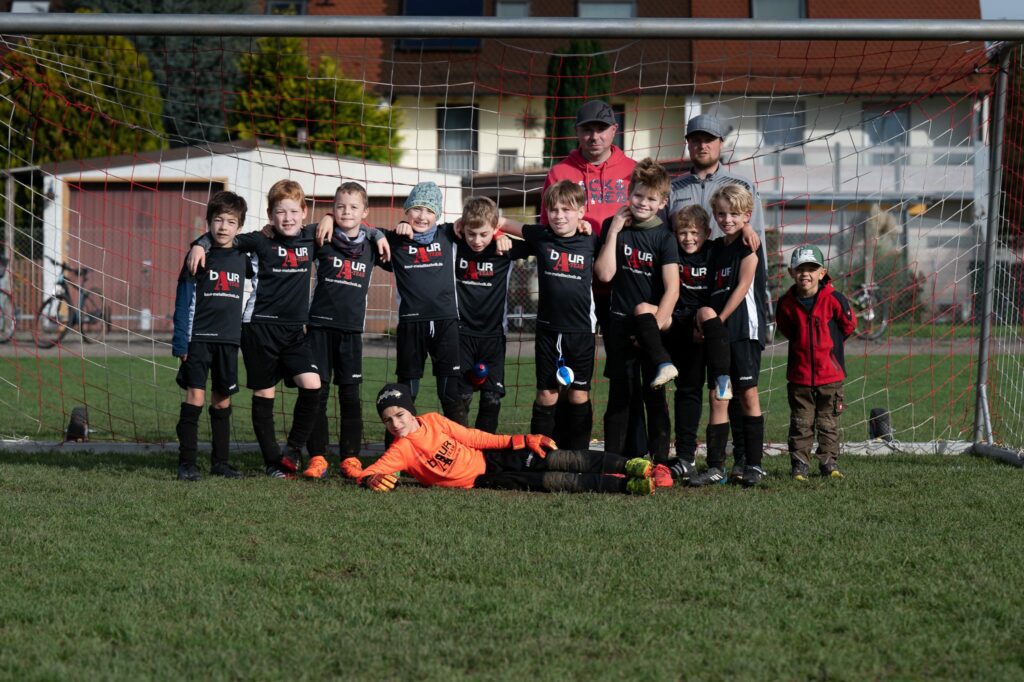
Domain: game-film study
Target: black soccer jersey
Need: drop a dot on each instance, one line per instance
(425, 276)
(482, 283)
(342, 285)
(639, 257)
(565, 273)
(208, 306)
(280, 287)
(693, 280)
(748, 320)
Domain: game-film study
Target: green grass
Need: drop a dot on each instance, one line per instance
(135, 398)
(904, 570)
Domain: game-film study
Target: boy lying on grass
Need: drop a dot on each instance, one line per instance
(437, 451)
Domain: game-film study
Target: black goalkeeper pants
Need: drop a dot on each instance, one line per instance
(571, 471)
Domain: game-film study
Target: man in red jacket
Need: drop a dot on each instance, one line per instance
(816, 319)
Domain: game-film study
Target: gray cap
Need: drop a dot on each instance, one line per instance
(806, 253)
(595, 111)
(706, 123)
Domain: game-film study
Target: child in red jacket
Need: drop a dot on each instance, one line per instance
(816, 319)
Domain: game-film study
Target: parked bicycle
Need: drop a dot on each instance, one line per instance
(872, 311)
(60, 312)
(8, 313)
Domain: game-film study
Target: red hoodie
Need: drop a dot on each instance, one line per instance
(606, 184)
(816, 336)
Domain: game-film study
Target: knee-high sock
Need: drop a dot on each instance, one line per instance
(543, 420)
(488, 412)
(452, 404)
(303, 417)
(716, 346)
(263, 427)
(320, 435)
(718, 438)
(753, 437)
(739, 446)
(351, 417)
(188, 433)
(579, 422)
(648, 337)
(220, 431)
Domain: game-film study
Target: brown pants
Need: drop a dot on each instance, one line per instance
(814, 408)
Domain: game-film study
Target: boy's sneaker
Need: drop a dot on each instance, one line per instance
(683, 469)
(291, 460)
(830, 470)
(638, 467)
(752, 475)
(226, 470)
(188, 471)
(666, 373)
(736, 473)
(640, 486)
(317, 468)
(799, 472)
(713, 476)
(723, 388)
(662, 476)
(275, 471)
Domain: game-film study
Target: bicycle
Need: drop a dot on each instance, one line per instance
(59, 314)
(872, 311)
(8, 313)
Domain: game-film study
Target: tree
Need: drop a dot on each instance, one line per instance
(576, 74)
(278, 100)
(194, 74)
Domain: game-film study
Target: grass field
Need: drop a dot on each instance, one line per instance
(135, 398)
(907, 569)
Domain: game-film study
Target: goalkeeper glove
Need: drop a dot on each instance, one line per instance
(380, 483)
(351, 467)
(537, 444)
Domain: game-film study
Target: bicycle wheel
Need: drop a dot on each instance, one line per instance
(872, 319)
(8, 317)
(52, 322)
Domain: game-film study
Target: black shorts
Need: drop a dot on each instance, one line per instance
(217, 360)
(339, 352)
(744, 364)
(489, 350)
(274, 351)
(577, 354)
(437, 338)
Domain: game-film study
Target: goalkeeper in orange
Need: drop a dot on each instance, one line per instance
(437, 451)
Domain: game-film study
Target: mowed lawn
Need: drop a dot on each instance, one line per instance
(904, 570)
(136, 399)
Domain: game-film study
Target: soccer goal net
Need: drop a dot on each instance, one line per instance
(876, 151)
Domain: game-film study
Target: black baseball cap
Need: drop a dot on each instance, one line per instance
(595, 111)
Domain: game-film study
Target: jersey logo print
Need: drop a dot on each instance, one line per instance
(566, 261)
(226, 281)
(637, 259)
(290, 258)
(692, 276)
(473, 270)
(442, 459)
(347, 269)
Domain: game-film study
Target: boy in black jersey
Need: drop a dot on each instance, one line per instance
(337, 314)
(565, 317)
(483, 266)
(639, 257)
(737, 295)
(273, 334)
(423, 260)
(207, 318)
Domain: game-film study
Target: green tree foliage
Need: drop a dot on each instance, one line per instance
(195, 74)
(278, 98)
(75, 97)
(576, 74)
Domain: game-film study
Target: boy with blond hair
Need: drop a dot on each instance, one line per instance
(639, 257)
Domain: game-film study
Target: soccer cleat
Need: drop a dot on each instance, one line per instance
(830, 470)
(662, 476)
(799, 472)
(713, 476)
(640, 486)
(638, 467)
(752, 475)
(683, 469)
(736, 474)
(226, 470)
(666, 373)
(188, 471)
(274, 471)
(723, 388)
(291, 460)
(317, 468)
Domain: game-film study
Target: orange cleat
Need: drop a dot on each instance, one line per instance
(317, 468)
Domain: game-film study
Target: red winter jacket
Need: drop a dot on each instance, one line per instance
(606, 184)
(816, 336)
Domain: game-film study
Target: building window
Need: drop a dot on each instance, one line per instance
(511, 9)
(886, 128)
(441, 8)
(620, 125)
(783, 126)
(295, 7)
(605, 9)
(778, 9)
(456, 139)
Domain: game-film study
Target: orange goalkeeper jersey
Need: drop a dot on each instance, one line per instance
(441, 452)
